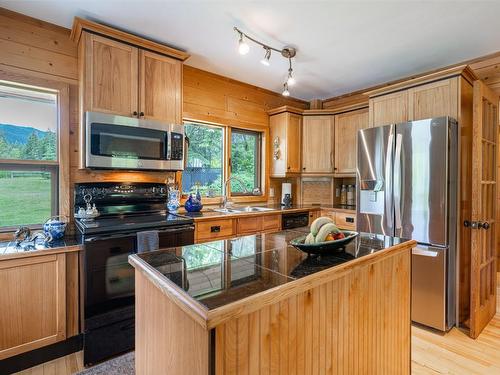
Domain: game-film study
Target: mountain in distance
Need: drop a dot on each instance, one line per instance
(19, 134)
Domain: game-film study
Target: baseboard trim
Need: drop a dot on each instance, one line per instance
(38, 356)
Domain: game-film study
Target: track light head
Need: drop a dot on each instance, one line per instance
(267, 57)
(285, 90)
(243, 47)
(290, 79)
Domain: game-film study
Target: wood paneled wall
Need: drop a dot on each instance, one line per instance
(34, 47)
(338, 327)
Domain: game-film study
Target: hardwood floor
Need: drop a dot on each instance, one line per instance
(432, 353)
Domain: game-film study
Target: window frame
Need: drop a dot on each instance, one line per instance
(226, 172)
(59, 168)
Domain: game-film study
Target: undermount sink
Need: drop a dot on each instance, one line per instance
(235, 210)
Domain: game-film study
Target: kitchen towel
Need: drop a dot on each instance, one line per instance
(147, 241)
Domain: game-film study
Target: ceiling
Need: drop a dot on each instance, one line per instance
(341, 46)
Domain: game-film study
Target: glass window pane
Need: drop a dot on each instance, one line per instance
(28, 123)
(245, 160)
(204, 162)
(25, 197)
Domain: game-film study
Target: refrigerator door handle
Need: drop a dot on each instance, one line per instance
(397, 182)
(388, 180)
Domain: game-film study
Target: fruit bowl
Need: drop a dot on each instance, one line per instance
(326, 246)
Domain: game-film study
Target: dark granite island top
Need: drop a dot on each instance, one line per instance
(236, 300)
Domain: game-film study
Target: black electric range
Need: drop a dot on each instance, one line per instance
(108, 287)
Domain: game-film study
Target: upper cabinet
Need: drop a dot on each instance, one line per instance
(317, 144)
(435, 95)
(434, 100)
(126, 75)
(285, 134)
(160, 87)
(389, 109)
(110, 81)
(346, 130)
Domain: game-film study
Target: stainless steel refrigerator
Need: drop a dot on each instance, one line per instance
(407, 187)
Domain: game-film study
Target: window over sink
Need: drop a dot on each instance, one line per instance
(218, 152)
(29, 160)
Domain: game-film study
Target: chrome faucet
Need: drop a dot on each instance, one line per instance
(22, 234)
(224, 197)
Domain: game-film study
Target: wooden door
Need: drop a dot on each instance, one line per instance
(317, 144)
(160, 84)
(32, 303)
(111, 76)
(346, 132)
(293, 140)
(483, 232)
(434, 100)
(389, 109)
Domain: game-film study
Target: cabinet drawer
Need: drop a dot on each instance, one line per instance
(328, 213)
(214, 229)
(248, 225)
(271, 222)
(345, 221)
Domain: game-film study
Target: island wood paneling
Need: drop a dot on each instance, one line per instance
(338, 327)
(157, 340)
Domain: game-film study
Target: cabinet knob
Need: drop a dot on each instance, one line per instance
(134, 113)
(303, 168)
(288, 167)
(141, 114)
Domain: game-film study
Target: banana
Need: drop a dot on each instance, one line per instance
(325, 231)
(309, 239)
(318, 223)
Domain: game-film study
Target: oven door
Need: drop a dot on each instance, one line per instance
(109, 278)
(117, 142)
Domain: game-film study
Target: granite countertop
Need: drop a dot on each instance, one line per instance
(208, 212)
(8, 249)
(221, 272)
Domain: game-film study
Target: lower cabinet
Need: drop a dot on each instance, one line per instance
(344, 220)
(210, 230)
(36, 305)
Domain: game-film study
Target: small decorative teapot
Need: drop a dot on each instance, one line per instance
(56, 227)
(193, 203)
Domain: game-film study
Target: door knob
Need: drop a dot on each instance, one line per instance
(484, 225)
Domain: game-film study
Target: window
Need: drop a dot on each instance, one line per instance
(245, 160)
(28, 154)
(207, 157)
(205, 160)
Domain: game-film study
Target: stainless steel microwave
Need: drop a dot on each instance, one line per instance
(118, 142)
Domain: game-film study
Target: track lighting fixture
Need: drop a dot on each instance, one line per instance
(286, 52)
(285, 90)
(267, 56)
(243, 47)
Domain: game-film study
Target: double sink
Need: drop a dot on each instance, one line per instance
(240, 210)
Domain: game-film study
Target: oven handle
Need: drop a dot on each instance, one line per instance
(128, 234)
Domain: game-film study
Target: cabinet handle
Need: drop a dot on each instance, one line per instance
(141, 114)
(134, 113)
(349, 220)
(215, 229)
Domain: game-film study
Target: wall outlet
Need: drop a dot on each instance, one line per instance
(271, 192)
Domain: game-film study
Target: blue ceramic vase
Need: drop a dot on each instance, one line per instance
(193, 203)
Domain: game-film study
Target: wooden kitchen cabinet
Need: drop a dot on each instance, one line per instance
(317, 144)
(160, 89)
(110, 81)
(35, 302)
(285, 134)
(434, 100)
(346, 131)
(126, 80)
(388, 109)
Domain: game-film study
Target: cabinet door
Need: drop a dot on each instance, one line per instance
(110, 77)
(32, 303)
(389, 109)
(346, 135)
(160, 83)
(434, 100)
(317, 150)
(279, 164)
(293, 135)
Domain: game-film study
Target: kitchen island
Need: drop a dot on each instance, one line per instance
(255, 305)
